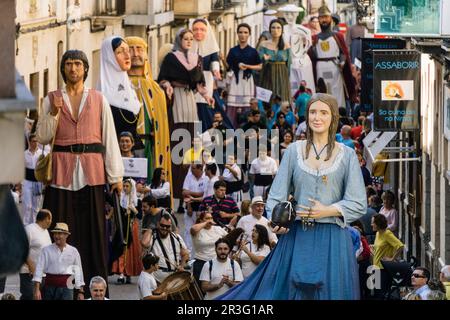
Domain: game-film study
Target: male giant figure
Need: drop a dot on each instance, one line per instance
(153, 119)
(331, 60)
(85, 157)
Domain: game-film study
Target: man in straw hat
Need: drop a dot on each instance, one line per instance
(62, 264)
(331, 60)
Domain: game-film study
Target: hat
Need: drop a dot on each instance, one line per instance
(324, 11)
(257, 199)
(61, 227)
(291, 8)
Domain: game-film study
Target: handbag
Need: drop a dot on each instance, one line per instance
(43, 169)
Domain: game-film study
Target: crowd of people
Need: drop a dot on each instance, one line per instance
(304, 145)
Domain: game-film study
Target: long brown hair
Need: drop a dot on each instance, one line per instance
(331, 102)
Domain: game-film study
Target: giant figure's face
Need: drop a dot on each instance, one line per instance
(319, 117)
(187, 40)
(123, 56)
(291, 17)
(276, 30)
(138, 56)
(200, 30)
(325, 22)
(243, 34)
(74, 71)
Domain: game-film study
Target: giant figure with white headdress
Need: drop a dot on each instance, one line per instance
(299, 38)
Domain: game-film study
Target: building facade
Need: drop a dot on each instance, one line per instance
(45, 29)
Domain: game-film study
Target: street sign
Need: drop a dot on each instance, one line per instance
(396, 90)
(367, 45)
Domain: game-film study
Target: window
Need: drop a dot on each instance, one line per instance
(34, 87)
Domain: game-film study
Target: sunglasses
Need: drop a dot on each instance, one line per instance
(416, 275)
(165, 226)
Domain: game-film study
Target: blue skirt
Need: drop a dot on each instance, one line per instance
(316, 264)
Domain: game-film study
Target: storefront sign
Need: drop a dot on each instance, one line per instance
(369, 44)
(396, 89)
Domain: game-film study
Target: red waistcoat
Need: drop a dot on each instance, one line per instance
(86, 130)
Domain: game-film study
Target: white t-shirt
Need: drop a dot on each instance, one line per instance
(247, 265)
(209, 186)
(38, 238)
(220, 269)
(248, 222)
(167, 243)
(267, 166)
(228, 175)
(146, 284)
(193, 184)
(204, 242)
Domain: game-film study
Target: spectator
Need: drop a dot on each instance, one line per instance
(204, 235)
(389, 211)
(344, 137)
(211, 173)
(281, 125)
(128, 263)
(288, 115)
(288, 138)
(437, 290)
(32, 189)
(221, 273)
(356, 132)
(301, 102)
(445, 279)
(256, 217)
(168, 246)
(147, 283)
(365, 172)
(419, 281)
(233, 177)
(160, 188)
(38, 238)
(253, 252)
(8, 296)
(245, 210)
(254, 105)
(223, 207)
(375, 203)
(193, 188)
(97, 287)
(262, 172)
(56, 261)
(386, 247)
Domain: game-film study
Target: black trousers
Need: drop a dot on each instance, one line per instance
(84, 213)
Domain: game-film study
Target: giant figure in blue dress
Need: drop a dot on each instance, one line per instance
(313, 261)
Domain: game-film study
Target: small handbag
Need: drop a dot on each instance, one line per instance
(43, 169)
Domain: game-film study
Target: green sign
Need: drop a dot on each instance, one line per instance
(408, 17)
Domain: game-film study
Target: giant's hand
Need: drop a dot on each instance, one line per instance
(316, 211)
(117, 187)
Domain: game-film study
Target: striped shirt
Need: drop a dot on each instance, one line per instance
(226, 204)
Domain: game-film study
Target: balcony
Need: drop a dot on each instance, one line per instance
(139, 13)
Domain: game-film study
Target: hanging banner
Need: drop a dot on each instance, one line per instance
(396, 90)
(367, 45)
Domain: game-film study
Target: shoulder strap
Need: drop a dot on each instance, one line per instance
(210, 269)
(232, 267)
(163, 249)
